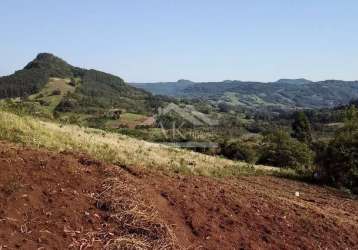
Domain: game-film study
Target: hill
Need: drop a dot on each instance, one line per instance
(165, 88)
(34, 76)
(92, 90)
(282, 94)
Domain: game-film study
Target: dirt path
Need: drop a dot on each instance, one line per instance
(62, 201)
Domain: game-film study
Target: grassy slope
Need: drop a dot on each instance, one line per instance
(116, 148)
(52, 85)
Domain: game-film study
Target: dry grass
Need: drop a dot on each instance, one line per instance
(116, 148)
(137, 221)
(130, 221)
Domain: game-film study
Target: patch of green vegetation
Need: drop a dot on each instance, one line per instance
(52, 93)
(281, 150)
(24, 107)
(338, 160)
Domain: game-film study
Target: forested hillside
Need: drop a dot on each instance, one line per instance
(93, 89)
(283, 94)
(34, 76)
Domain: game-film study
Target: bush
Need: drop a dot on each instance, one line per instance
(238, 151)
(44, 103)
(67, 104)
(39, 96)
(280, 150)
(113, 114)
(339, 164)
(56, 92)
(301, 128)
(73, 82)
(224, 107)
(25, 108)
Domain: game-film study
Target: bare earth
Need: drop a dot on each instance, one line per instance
(61, 201)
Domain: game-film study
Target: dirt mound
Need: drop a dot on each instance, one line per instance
(62, 201)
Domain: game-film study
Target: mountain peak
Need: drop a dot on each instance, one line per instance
(45, 55)
(294, 81)
(45, 60)
(184, 81)
(51, 64)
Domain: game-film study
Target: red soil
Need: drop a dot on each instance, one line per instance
(53, 201)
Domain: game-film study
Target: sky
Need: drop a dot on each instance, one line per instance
(200, 40)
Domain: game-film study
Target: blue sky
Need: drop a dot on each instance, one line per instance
(201, 40)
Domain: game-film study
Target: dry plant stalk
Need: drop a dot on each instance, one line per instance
(138, 222)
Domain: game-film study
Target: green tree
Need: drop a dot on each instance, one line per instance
(237, 150)
(301, 128)
(281, 150)
(339, 165)
(350, 121)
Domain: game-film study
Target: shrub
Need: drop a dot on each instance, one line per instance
(280, 150)
(339, 164)
(238, 151)
(25, 108)
(56, 92)
(39, 96)
(301, 128)
(113, 114)
(67, 104)
(73, 82)
(44, 103)
(224, 107)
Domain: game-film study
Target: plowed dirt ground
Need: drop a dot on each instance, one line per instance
(67, 200)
